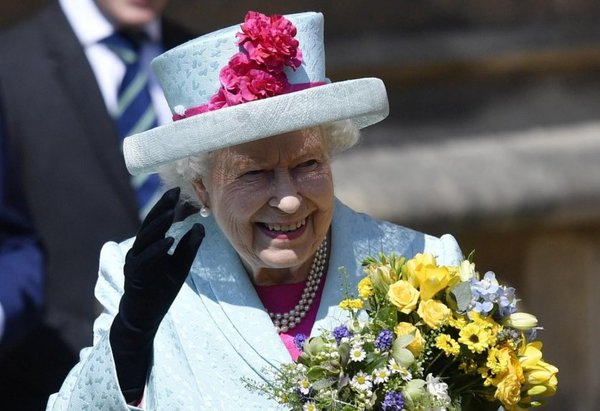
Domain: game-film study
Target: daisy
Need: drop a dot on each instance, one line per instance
(396, 368)
(357, 353)
(381, 375)
(447, 344)
(310, 406)
(361, 381)
(304, 387)
(475, 337)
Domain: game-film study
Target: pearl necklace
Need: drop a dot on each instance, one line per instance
(284, 322)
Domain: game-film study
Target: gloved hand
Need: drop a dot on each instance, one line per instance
(153, 279)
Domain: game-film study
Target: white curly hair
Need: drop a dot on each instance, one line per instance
(338, 137)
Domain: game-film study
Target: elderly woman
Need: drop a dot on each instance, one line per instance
(257, 123)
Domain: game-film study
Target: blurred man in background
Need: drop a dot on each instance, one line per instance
(74, 80)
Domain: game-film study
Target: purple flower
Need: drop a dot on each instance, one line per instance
(341, 332)
(393, 401)
(384, 340)
(299, 340)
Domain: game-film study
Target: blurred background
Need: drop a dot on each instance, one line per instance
(493, 136)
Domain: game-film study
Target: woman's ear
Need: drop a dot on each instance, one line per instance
(201, 192)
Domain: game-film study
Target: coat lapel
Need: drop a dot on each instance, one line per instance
(235, 308)
(72, 70)
(355, 236)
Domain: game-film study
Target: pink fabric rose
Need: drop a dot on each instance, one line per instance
(244, 80)
(270, 41)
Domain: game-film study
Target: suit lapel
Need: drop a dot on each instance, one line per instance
(72, 70)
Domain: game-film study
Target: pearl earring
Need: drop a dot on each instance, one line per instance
(204, 211)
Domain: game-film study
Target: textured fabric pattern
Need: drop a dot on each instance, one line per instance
(217, 330)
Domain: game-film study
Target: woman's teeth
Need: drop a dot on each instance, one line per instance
(286, 228)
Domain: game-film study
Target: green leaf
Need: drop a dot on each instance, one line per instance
(471, 256)
(344, 350)
(317, 373)
(462, 295)
(333, 367)
(324, 383)
(375, 362)
(387, 316)
(304, 359)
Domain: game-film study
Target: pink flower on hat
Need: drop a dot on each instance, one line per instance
(267, 46)
(244, 80)
(270, 41)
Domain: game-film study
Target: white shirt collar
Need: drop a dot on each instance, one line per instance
(91, 26)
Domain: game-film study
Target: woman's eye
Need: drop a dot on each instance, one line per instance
(309, 163)
(252, 173)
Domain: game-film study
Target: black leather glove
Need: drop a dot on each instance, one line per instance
(153, 278)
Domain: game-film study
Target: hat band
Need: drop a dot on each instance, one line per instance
(204, 108)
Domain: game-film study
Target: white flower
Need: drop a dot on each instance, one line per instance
(310, 406)
(304, 386)
(396, 368)
(437, 388)
(179, 109)
(357, 353)
(466, 270)
(361, 381)
(381, 375)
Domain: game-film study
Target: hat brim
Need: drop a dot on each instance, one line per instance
(362, 100)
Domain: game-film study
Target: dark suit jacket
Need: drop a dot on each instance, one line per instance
(69, 164)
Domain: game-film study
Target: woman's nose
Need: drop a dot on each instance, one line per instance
(285, 194)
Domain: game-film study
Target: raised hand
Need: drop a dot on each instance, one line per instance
(153, 278)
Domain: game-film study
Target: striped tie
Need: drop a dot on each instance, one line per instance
(135, 112)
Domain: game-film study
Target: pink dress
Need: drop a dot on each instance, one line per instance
(284, 297)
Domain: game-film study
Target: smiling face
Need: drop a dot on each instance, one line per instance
(273, 199)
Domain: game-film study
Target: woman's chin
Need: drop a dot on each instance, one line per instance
(280, 258)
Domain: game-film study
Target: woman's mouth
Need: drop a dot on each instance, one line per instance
(284, 231)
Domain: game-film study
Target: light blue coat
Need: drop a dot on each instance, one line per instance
(217, 330)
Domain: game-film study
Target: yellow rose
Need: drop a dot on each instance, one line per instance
(404, 296)
(434, 313)
(508, 391)
(365, 288)
(417, 264)
(432, 280)
(416, 345)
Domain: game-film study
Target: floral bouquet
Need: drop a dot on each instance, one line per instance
(420, 337)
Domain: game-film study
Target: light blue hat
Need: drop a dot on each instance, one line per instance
(215, 106)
